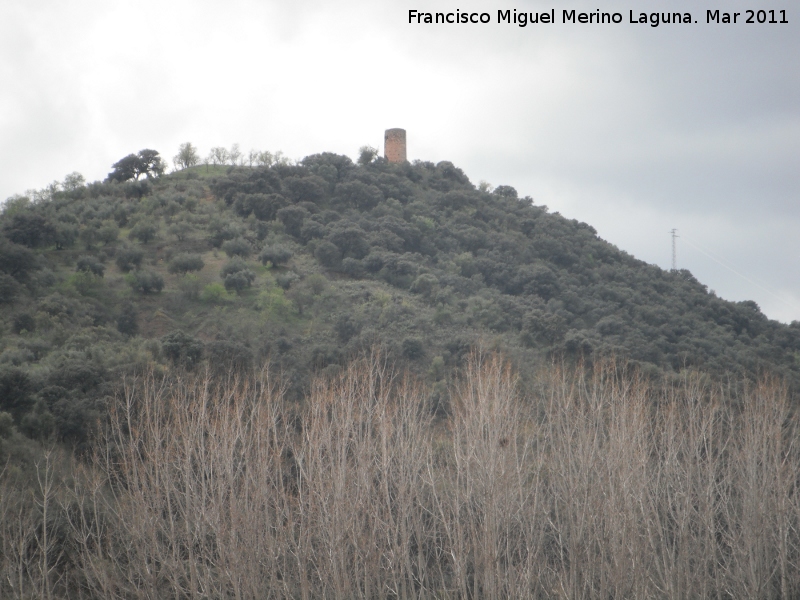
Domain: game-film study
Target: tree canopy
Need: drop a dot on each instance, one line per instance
(145, 162)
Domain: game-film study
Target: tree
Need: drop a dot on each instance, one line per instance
(237, 247)
(32, 230)
(146, 162)
(186, 157)
(265, 159)
(90, 264)
(182, 349)
(128, 259)
(218, 155)
(237, 276)
(184, 263)
(146, 282)
(366, 154)
(152, 164)
(277, 255)
(127, 322)
(108, 232)
(234, 155)
(144, 231)
(73, 181)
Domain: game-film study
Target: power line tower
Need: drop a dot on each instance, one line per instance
(674, 253)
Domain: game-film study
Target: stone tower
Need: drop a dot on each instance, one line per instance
(394, 145)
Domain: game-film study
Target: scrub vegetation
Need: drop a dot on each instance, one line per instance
(637, 439)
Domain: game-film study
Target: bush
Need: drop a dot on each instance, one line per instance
(237, 247)
(90, 264)
(214, 293)
(144, 231)
(328, 254)
(9, 289)
(127, 321)
(23, 322)
(184, 263)
(285, 280)
(108, 232)
(129, 259)
(182, 349)
(292, 218)
(277, 255)
(146, 282)
(234, 265)
(413, 348)
(239, 281)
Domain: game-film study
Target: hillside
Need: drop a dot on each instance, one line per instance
(306, 265)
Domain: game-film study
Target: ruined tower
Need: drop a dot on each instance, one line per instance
(394, 145)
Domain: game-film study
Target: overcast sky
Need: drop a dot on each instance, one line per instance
(633, 129)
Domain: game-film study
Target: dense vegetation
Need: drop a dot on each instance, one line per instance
(645, 448)
(599, 487)
(306, 264)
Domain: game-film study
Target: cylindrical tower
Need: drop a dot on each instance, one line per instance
(394, 145)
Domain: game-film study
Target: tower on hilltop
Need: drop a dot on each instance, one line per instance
(394, 145)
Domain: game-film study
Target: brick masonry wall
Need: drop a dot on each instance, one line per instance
(394, 145)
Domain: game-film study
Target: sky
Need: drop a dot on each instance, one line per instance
(634, 129)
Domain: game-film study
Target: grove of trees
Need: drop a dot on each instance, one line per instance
(600, 486)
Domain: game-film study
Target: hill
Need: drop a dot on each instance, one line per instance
(307, 264)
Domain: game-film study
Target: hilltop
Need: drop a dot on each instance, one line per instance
(307, 264)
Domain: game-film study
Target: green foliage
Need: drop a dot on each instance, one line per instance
(412, 258)
(328, 254)
(237, 247)
(30, 229)
(145, 162)
(367, 154)
(6, 425)
(144, 231)
(239, 280)
(108, 233)
(90, 264)
(86, 283)
(10, 289)
(214, 293)
(146, 281)
(185, 263)
(128, 259)
(187, 156)
(277, 255)
(127, 321)
(16, 260)
(182, 349)
(16, 391)
(23, 322)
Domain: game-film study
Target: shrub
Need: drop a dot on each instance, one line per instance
(285, 280)
(277, 255)
(144, 231)
(182, 349)
(237, 247)
(9, 289)
(127, 320)
(328, 254)
(108, 232)
(184, 263)
(214, 293)
(146, 282)
(90, 264)
(233, 265)
(129, 259)
(23, 322)
(240, 280)
(413, 348)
